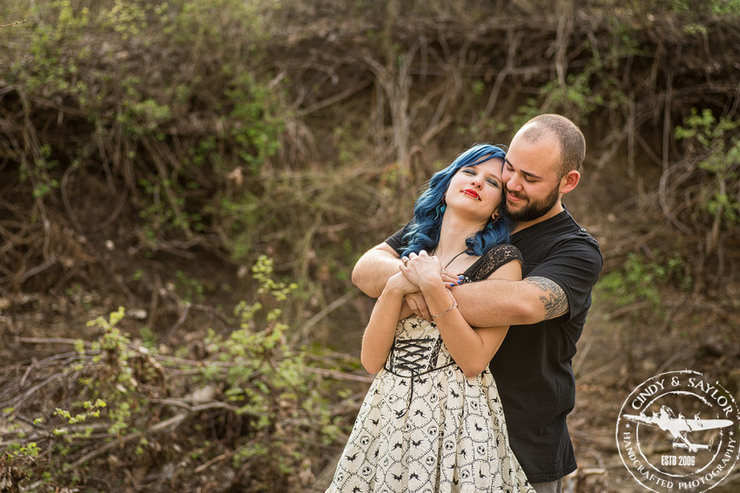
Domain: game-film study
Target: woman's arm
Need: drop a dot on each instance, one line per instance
(471, 348)
(381, 329)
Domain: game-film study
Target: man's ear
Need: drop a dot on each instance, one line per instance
(569, 181)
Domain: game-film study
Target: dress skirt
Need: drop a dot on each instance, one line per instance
(426, 427)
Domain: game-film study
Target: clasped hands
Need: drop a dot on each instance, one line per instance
(417, 272)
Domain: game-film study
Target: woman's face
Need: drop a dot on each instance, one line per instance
(477, 189)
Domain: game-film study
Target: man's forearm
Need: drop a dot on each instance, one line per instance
(374, 268)
(498, 302)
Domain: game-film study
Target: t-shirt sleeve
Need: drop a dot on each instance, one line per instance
(396, 240)
(575, 265)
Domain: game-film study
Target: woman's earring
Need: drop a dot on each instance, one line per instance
(493, 220)
(440, 210)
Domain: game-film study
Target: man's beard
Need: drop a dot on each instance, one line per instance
(534, 209)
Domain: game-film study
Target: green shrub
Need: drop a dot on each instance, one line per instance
(116, 402)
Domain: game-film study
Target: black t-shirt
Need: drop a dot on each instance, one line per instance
(533, 366)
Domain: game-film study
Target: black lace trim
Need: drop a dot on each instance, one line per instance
(490, 261)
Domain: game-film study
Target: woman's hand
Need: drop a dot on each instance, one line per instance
(422, 270)
(449, 278)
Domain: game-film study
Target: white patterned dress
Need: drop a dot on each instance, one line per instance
(426, 427)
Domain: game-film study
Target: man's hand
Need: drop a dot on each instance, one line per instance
(399, 283)
(418, 305)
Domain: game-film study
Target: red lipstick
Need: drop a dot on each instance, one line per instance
(471, 193)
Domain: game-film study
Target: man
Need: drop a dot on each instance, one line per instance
(546, 309)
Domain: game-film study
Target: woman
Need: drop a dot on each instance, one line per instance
(432, 420)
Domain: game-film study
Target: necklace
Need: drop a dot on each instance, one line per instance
(453, 258)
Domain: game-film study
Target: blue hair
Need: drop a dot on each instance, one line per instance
(423, 231)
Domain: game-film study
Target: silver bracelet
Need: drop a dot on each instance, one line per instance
(454, 304)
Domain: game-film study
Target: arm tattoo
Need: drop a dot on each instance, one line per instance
(553, 297)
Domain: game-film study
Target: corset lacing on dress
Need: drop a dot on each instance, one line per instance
(416, 357)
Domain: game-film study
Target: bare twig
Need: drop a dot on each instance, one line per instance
(346, 297)
(16, 23)
(337, 375)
